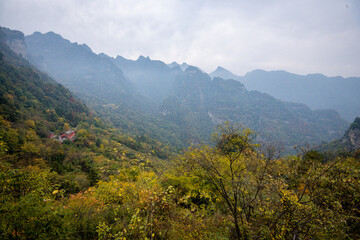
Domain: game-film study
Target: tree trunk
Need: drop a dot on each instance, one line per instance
(237, 228)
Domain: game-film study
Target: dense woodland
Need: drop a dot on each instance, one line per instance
(110, 184)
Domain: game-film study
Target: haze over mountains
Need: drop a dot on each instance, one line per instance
(103, 183)
(26, 91)
(187, 99)
(315, 90)
(78, 68)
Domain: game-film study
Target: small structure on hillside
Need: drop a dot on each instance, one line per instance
(68, 135)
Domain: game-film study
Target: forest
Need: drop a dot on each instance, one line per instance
(107, 183)
(234, 189)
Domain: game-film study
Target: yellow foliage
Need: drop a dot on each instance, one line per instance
(66, 126)
(4, 122)
(31, 135)
(30, 148)
(30, 123)
(100, 159)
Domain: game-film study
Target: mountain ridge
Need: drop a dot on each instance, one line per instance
(78, 68)
(198, 101)
(315, 90)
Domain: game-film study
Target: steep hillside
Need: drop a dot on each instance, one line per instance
(349, 142)
(42, 178)
(81, 70)
(154, 79)
(353, 135)
(100, 83)
(34, 107)
(25, 91)
(199, 103)
(315, 90)
(185, 104)
(103, 184)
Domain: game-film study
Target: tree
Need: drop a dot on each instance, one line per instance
(233, 170)
(297, 197)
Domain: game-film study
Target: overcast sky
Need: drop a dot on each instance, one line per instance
(299, 36)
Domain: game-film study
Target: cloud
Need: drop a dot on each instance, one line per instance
(298, 36)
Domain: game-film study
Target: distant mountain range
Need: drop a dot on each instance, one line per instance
(315, 90)
(199, 102)
(180, 101)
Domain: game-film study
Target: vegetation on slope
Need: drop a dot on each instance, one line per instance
(199, 103)
(350, 142)
(230, 191)
(174, 105)
(109, 185)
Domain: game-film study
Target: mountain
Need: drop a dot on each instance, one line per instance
(105, 184)
(315, 90)
(182, 66)
(199, 103)
(25, 91)
(152, 78)
(223, 73)
(34, 108)
(101, 84)
(83, 71)
(15, 40)
(178, 106)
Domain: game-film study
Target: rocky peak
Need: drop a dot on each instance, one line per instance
(144, 59)
(223, 73)
(192, 70)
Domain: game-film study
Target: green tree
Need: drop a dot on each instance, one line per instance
(232, 169)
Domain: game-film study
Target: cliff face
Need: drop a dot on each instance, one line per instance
(18, 46)
(354, 136)
(16, 41)
(350, 141)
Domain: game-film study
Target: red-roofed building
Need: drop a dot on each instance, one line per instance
(69, 134)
